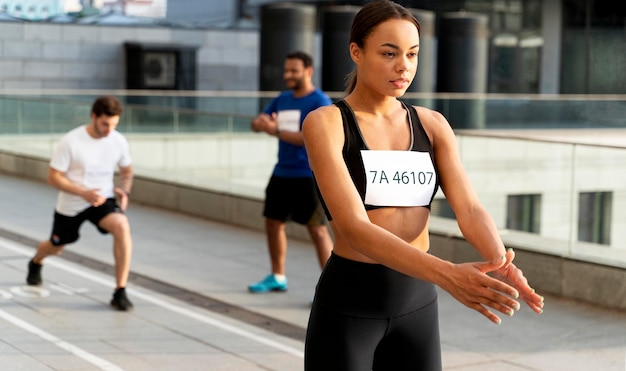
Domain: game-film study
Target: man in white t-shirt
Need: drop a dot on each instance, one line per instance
(83, 168)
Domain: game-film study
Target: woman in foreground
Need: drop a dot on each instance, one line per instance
(378, 163)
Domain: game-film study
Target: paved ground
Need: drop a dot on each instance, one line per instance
(192, 310)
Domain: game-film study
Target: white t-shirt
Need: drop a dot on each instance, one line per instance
(90, 163)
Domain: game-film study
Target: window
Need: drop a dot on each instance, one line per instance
(594, 217)
(524, 213)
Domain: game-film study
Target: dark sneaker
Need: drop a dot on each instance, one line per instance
(269, 283)
(120, 301)
(34, 273)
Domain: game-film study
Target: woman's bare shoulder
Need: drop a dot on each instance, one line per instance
(430, 116)
(322, 116)
(434, 122)
(324, 112)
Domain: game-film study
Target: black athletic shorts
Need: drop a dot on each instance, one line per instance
(369, 317)
(293, 199)
(65, 228)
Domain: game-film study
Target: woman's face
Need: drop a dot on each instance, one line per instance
(388, 60)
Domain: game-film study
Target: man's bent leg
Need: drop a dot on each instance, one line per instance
(44, 249)
(322, 241)
(117, 225)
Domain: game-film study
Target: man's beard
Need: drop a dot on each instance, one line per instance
(295, 84)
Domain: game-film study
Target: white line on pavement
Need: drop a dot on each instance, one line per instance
(15, 247)
(95, 360)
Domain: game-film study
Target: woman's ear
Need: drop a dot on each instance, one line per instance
(355, 52)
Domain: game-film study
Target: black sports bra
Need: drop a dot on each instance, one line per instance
(354, 143)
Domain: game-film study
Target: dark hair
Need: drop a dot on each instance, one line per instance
(306, 59)
(366, 20)
(107, 105)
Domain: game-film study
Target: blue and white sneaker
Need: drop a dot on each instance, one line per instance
(269, 283)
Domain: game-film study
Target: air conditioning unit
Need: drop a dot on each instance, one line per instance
(160, 66)
(159, 70)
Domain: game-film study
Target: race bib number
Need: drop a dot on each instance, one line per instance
(398, 178)
(288, 120)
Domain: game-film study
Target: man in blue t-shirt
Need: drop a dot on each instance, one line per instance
(291, 193)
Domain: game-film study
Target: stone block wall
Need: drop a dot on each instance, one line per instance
(74, 56)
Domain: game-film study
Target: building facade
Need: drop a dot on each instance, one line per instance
(533, 46)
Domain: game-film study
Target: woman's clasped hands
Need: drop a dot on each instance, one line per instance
(492, 285)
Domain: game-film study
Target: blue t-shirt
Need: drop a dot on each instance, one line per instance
(293, 161)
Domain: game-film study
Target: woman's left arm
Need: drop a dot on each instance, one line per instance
(477, 226)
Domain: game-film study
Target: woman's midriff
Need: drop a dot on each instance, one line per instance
(408, 223)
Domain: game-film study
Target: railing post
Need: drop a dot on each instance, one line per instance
(51, 118)
(20, 118)
(573, 206)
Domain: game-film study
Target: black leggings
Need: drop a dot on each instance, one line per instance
(369, 317)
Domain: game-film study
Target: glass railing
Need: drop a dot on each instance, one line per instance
(549, 195)
(32, 114)
(54, 112)
(549, 169)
